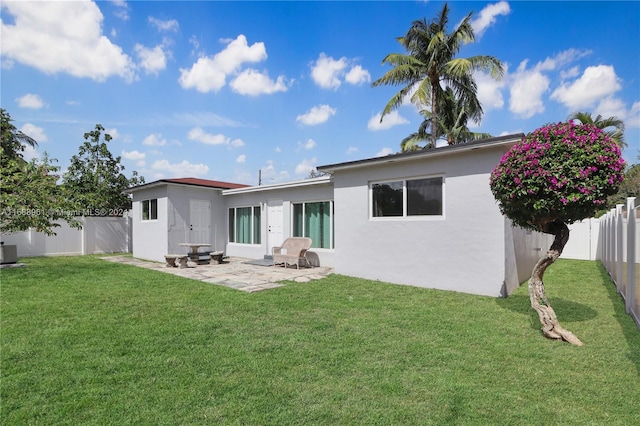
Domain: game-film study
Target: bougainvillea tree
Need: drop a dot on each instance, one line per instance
(558, 174)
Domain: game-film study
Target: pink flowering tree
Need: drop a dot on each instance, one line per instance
(558, 174)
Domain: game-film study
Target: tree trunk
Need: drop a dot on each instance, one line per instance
(550, 326)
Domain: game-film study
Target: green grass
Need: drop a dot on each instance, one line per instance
(84, 341)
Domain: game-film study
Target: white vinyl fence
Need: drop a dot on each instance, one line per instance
(98, 235)
(620, 237)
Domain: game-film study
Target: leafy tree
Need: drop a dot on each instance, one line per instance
(452, 124)
(430, 63)
(94, 178)
(29, 194)
(617, 133)
(630, 186)
(558, 174)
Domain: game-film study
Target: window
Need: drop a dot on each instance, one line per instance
(150, 209)
(411, 197)
(314, 220)
(244, 225)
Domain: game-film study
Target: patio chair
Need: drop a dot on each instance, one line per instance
(291, 252)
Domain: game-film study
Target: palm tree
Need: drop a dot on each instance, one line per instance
(617, 134)
(452, 124)
(430, 62)
(12, 140)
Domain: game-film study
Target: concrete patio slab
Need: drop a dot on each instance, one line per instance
(233, 273)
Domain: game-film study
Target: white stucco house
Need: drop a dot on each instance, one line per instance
(424, 218)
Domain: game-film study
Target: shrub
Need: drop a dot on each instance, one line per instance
(561, 172)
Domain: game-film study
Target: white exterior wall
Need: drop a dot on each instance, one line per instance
(463, 251)
(178, 217)
(288, 196)
(150, 237)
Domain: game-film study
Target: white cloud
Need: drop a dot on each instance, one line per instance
(487, 17)
(390, 120)
(209, 74)
(181, 169)
(357, 75)
(133, 155)
(123, 11)
(270, 174)
(113, 132)
(615, 107)
(384, 152)
(168, 25)
(326, 71)
(526, 91)
(205, 119)
(63, 37)
(310, 144)
(154, 139)
(489, 91)
(351, 150)
(138, 157)
(570, 73)
(253, 83)
(199, 135)
(151, 60)
(561, 59)
(596, 83)
(633, 117)
(30, 153)
(30, 101)
(34, 132)
(316, 115)
(306, 166)
(241, 158)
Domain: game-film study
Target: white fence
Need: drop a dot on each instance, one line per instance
(620, 238)
(98, 235)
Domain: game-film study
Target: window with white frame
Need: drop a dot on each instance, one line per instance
(314, 220)
(407, 197)
(244, 225)
(150, 209)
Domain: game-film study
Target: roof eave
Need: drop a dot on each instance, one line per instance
(412, 156)
(165, 182)
(281, 185)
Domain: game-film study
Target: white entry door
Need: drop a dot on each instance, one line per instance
(274, 224)
(199, 221)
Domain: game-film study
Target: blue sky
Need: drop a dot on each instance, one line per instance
(221, 90)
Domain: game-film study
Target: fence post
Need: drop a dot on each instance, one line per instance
(83, 236)
(619, 250)
(631, 254)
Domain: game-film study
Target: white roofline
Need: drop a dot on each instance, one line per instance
(281, 185)
(427, 153)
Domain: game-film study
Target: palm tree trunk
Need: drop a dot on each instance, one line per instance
(435, 83)
(550, 326)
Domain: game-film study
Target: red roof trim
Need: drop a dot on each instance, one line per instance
(205, 182)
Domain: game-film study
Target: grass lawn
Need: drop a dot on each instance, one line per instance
(84, 341)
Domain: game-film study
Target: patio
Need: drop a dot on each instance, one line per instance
(233, 273)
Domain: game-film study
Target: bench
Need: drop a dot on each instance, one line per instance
(172, 258)
(292, 251)
(217, 256)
